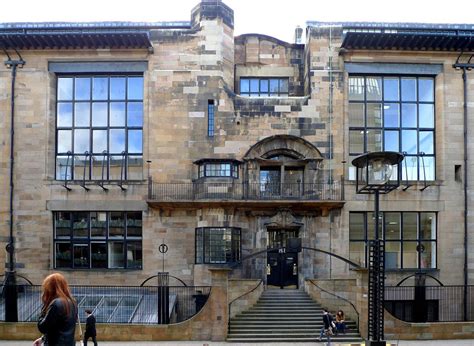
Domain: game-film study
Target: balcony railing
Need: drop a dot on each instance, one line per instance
(245, 191)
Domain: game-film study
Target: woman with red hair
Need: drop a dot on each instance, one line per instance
(58, 316)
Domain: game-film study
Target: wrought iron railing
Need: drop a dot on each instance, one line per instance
(429, 303)
(111, 304)
(244, 191)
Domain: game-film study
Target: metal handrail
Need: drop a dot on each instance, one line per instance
(339, 297)
(230, 304)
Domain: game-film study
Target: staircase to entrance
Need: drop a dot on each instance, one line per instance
(284, 315)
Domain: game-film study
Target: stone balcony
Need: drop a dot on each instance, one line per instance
(306, 196)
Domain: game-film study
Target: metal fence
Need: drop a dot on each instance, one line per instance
(112, 304)
(430, 303)
(245, 191)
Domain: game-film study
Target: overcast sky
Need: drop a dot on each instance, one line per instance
(276, 18)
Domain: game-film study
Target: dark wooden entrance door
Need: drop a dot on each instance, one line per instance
(282, 265)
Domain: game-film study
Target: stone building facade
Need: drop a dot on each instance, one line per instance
(129, 136)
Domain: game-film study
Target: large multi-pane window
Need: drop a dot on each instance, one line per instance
(98, 240)
(99, 127)
(218, 245)
(393, 113)
(410, 238)
(264, 87)
(218, 169)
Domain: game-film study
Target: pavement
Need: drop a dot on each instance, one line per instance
(210, 343)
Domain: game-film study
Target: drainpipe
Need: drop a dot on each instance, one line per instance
(465, 67)
(11, 309)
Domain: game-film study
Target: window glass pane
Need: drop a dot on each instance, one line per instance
(409, 141)
(356, 226)
(284, 86)
(64, 118)
(135, 141)
(134, 224)
(429, 168)
(63, 165)
(64, 141)
(117, 88)
(82, 89)
(409, 115)
(115, 162)
(356, 88)
(274, 87)
(117, 114)
(391, 115)
(428, 226)
(100, 88)
(392, 141)
(116, 225)
(99, 141)
(264, 86)
(99, 163)
(81, 162)
(391, 89)
(426, 142)
(410, 168)
(63, 224)
(98, 255)
(374, 114)
(356, 114)
(371, 226)
(356, 141)
(134, 255)
(65, 89)
(98, 224)
(117, 141)
(374, 88)
(410, 226)
(244, 86)
(410, 255)
(80, 224)
(82, 114)
(408, 89)
(63, 255)
(135, 88)
(392, 255)
(116, 254)
(392, 226)
(426, 89)
(357, 252)
(135, 167)
(135, 114)
(426, 115)
(427, 250)
(81, 141)
(99, 114)
(374, 140)
(254, 86)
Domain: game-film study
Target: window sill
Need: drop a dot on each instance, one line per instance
(410, 270)
(98, 269)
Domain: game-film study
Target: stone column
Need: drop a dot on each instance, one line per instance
(219, 305)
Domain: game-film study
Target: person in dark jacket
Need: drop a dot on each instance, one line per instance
(58, 315)
(90, 328)
(327, 327)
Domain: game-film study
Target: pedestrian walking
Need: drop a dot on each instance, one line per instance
(90, 328)
(58, 316)
(327, 328)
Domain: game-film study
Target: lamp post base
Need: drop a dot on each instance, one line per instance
(375, 343)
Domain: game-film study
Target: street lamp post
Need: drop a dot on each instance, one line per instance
(375, 176)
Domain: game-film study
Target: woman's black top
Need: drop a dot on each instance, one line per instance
(57, 325)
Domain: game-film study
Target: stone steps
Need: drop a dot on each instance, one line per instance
(284, 316)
